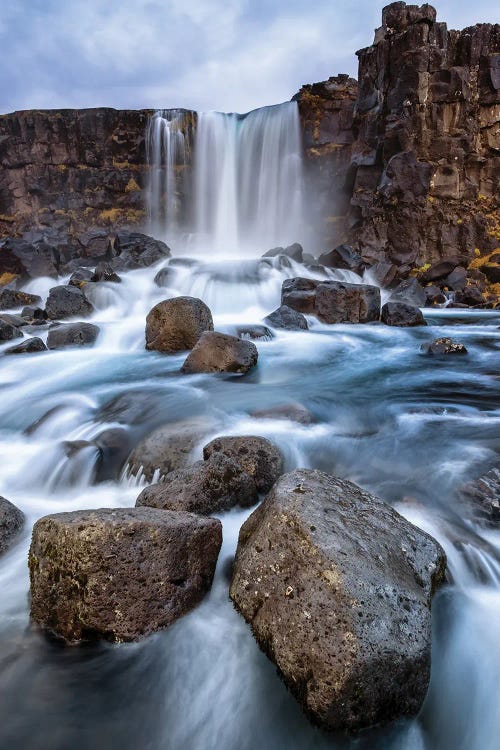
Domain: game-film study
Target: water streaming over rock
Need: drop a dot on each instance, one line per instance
(247, 179)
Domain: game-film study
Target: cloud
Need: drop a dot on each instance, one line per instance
(204, 54)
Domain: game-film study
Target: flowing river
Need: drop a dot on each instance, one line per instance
(406, 426)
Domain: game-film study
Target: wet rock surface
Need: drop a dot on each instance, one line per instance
(8, 331)
(11, 523)
(338, 302)
(176, 325)
(119, 574)
(260, 458)
(30, 346)
(62, 335)
(205, 487)
(401, 314)
(337, 588)
(12, 298)
(481, 499)
(219, 352)
(444, 346)
(293, 412)
(67, 301)
(287, 318)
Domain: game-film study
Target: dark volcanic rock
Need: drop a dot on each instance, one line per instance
(471, 295)
(440, 271)
(299, 294)
(67, 301)
(411, 292)
(401, 314)
(295, 252)
(285, 317)
(80, 277)
(29, 346)
(205, 487)
(104, 272)
(338, 302)
(28, 260)
(176, 324)
(444, 345)
(218, 352)
(254, 332)
(482, 499)
(114, 447)
(337, 588)
(8, 332)
(344, 257)
(119, 574)
(11, 523)
(168, 448)
(256, 455)
(72, 334)
(11, 298)
(34, 315)
(457, 279)
(137, 250)
(434, 296)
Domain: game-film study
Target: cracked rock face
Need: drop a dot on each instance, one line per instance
(119, 574)
(337, 589)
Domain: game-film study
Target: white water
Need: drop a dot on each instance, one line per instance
(247, 182)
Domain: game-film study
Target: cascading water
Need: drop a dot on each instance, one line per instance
(247, 184)
(166, 153)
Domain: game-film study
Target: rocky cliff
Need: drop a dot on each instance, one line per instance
(419, 164)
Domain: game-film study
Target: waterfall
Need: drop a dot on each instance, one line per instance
(247, 187)
(166, 152)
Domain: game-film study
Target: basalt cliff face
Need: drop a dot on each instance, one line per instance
(415, 151)
(405, 164)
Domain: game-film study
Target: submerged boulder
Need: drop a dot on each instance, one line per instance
(205, 487)
(219, 352)
(254, 332)
(67, 301)
(175, 325)
(11, 523)
(292, 412)
(119, 574)
(337, 588)
(8, 331)
(62, 335)
(402, 314)
(260, 458)
(287, 318)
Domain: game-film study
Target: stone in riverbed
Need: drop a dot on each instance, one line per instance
(300, 294)
(8, 332)
(30, 346)
(205, 487)
(254, 332)
(482, 499)
(444, 345)
(62, 335)
(402, 315)
(175, 325)
(11, 298)
(337, 588)
(338, 302)
(411, 292)
(219, 352)
(293, 412)
(288, 319)
(11, 523)
(67, 301)
(260, 458)
(119, 574)
(295, 252)
(168, 448)
(343, 257)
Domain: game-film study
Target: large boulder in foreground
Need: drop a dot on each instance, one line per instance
(119, 574)
(205, 487)
(219, 352)
(176, 324)
(256, 455)
(11, 523)
(67, 301)
(337, 588)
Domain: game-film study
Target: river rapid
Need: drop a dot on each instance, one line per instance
(403, 425)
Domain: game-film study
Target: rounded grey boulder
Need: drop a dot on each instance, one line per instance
(260, 458)
(175, 325)
(287, 318)
(30, 346)
(119, 574)
(63, 335)
(337, 588)
(67, 301)
(401, 314)
(219, 352)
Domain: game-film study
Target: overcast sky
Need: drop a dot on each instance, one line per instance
(231, 55)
